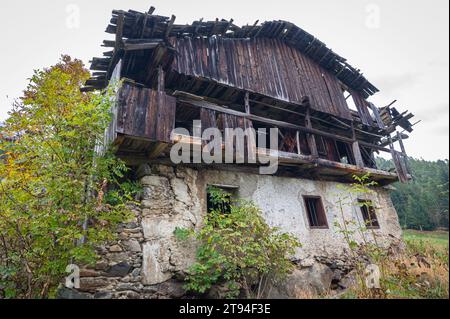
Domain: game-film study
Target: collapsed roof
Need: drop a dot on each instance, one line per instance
(143, 30)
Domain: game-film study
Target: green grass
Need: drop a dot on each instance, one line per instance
(438, 239)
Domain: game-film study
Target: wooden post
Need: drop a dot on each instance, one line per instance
(247, 102)
(404, 156)
(297, 137)
(161, 84)
(311, 138)
(376, 113)
(356, 150)
(399, 167)
(169, 27)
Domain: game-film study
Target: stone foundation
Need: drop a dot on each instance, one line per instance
(148, 262)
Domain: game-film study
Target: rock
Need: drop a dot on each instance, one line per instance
(101, 265)
(150, 289)
(129, 287)
(119, 270)
(128, 295)
(115, 249)
(136, 272)
(136, 279)
(134, 231)
(307, 262)
(172, 288)
(103, 295)
(348, 281)
(131, 225)
(123, 236)
(304, 283)
(337, 275)
(89, 273)
(133, 245)
(66, 293)
(115, 258)
(91, 284)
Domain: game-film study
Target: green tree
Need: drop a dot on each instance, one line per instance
(52, 184)
(423, 202)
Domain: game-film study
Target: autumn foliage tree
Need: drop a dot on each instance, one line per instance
(50, 177)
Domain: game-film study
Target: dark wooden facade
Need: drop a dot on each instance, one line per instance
(262, 76)
(266, 66)
(145, 113)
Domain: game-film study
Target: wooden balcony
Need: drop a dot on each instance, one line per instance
(144, 119)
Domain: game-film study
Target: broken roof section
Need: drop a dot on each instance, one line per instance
(147, 31)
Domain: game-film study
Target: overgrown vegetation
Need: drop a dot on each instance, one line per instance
(420, 270)
(54, 203)
(238, 251)
(423, 203)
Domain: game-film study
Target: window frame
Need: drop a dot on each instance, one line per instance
(231, 191)
(370, 210)
(320, 211)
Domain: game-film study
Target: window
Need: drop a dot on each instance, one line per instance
(315, 212)
(218, 197)
(368, 213)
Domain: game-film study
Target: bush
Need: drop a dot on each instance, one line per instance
(238, 250)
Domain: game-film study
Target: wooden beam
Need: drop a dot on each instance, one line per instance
(119, 31)
(402, 147)
(376, 113)
(169, 26)
(140, 46)
(204, 104)
(247, 102)
(161, 84)
(356, 149)
(286, 158)
(297, 137)
(310, 137)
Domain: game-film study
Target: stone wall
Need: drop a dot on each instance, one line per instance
(148, 262)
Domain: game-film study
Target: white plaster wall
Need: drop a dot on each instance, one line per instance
(176, 197)
(281, 202)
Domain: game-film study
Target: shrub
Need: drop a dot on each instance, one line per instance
(238, 250)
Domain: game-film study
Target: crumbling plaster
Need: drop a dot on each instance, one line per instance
(176, 197)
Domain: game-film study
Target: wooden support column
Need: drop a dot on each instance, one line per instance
(158, 148)
(252, 142)
(356, 149)
(161, 84)
(297, 137)
(169, 27)
(405, 156)
(310, 137)
(119, 30)
(397, 163)
(247, 102)
(376, 113)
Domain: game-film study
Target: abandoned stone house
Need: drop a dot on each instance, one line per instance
(257, 76)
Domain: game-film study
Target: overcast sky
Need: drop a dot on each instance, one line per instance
(401, 46)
